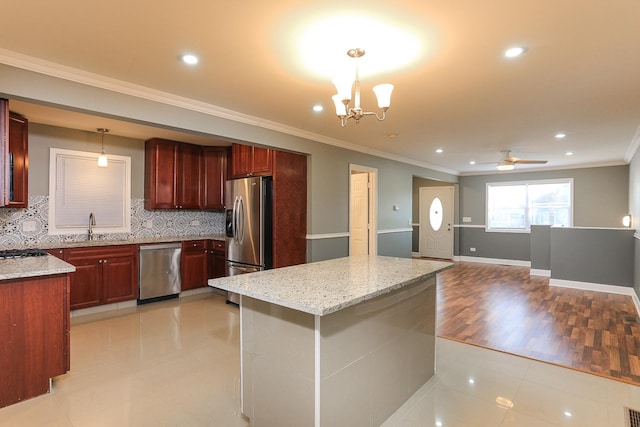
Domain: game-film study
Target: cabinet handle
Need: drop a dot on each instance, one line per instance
(105, 261)
(100, 261)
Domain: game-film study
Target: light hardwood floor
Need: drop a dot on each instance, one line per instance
(504, 308)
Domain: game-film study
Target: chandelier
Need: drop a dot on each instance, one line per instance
(345, 87)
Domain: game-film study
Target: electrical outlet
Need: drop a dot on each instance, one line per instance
(195, 222)
(466, 219)
(472, 249)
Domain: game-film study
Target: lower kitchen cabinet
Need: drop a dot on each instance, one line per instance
(194, 264)
(34, 333)
(104, 274)
(217, 259)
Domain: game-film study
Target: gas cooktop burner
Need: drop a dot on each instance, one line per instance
(21, 253)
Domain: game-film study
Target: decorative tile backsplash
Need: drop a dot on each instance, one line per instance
(28, 226)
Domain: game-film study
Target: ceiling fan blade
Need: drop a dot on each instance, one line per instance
(530, 162)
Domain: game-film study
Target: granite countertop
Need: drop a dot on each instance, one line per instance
(107, 242)
(324, 287)
(18, 268)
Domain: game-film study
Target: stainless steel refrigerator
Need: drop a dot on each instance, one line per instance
(248, 226)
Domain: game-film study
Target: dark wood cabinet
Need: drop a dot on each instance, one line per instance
(215, 176)
(104, 274)
(14, 152)
(247, 160)
(190, 177)
(289, 209)
(18, 161)
(34, 334)
(217, 259)
(173, 175)
(194, 264)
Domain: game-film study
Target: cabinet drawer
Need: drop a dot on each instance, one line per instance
(218, 245)
(194, 245)
(99, 252)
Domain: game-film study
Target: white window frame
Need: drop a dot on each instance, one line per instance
(526, 229)
(123, 222)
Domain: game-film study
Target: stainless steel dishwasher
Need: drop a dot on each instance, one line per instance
(159, 271)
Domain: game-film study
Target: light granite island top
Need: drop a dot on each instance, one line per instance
(324, 287)
(343, 342)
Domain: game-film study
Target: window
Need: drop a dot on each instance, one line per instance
(516, 206)
(78, 187)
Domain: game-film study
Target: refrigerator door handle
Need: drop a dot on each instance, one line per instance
(241, 219)
(234, 219)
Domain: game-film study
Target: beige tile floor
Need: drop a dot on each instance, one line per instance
(176, 363)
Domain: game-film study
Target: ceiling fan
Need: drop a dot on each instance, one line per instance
(508, 162)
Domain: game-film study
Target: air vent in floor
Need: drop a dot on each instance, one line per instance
(632, 417)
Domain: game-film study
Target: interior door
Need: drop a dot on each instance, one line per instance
(436, 222)
(359, 214)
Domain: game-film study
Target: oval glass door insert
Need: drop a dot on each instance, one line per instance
(435, 214)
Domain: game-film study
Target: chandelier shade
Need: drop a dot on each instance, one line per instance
(348, 88)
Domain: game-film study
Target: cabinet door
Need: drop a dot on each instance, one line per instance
(19, 161)
(189, 176)
(119, 279)
(160, 179)
(217, 259)
(215, 176)
(262, 161)
(195, 262)
(4, 151)
(241, 158)
(85, 283)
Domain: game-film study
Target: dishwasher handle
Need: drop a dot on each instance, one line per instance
(160, 246)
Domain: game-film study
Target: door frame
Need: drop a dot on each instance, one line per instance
(373, 205)
(424, 227)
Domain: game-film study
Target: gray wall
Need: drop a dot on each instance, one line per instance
(43, 137)
(634, 210)
(328, 165)
(603, 256)
(541, 247)
(600, 200)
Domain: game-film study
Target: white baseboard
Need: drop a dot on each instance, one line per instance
(537, 272)
(415, 254)
(598, 287)
(513, 262)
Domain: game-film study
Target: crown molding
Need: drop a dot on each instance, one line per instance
(64, 72)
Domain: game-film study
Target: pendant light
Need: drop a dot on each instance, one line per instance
(102, 158)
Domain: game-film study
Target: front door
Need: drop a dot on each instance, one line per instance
(436, 222)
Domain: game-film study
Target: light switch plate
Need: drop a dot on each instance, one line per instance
(466, 219)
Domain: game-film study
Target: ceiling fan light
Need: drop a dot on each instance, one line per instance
(505, 166)
(383, 95)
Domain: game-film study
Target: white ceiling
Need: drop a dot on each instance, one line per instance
(579, 76)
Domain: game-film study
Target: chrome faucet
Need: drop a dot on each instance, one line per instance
(92, 223)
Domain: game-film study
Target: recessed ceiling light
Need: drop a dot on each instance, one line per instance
(472, 162)
(560, 135)
(318, 108)
(392, 135)
(190, 59)
(568, 414)
(514, 52)
(439, 150)
(569, 153)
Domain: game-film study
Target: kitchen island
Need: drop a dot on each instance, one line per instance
(34, 325)
(343, 342)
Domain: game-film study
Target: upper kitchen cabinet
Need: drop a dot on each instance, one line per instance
(18, 161)
(247, 160)
(173, 175)
(215, 176)
(13, 153)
